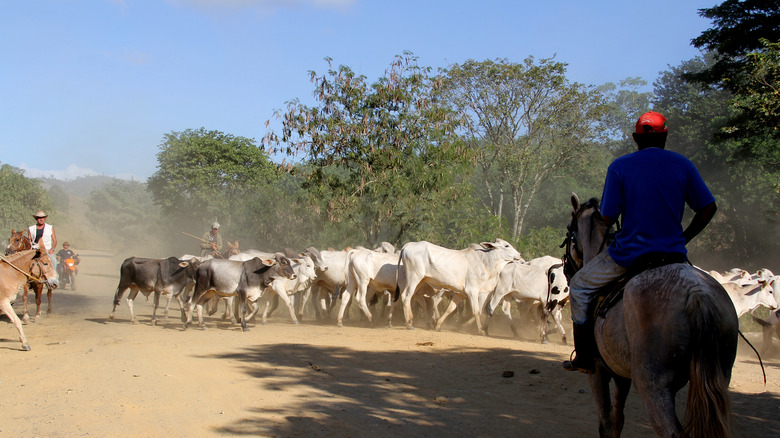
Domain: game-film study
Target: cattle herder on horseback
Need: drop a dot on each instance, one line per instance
(211, 243)
(649, 188)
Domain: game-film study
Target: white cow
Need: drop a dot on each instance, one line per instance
(531, 283)
(468, 272)
(770, 326)
(736, 275)
(750, 297)
(367, 271)
(286, 289)
(328, 284)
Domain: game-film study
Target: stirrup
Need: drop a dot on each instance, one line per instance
(573, 365)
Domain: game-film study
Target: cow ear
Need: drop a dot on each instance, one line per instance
(184, 264)
(268, 262)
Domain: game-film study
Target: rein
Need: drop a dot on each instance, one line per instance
(30, 276)
(571, 266)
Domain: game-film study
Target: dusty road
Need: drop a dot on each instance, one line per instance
(86, 377)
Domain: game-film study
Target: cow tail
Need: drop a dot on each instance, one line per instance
(708, 410)
(398, 268)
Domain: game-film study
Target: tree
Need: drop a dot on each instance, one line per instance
(20, 197)
(382, 156)
(744, 188)
(525, 121)
(205, 175)
(738, 28)
(624, 104)
(125, 213)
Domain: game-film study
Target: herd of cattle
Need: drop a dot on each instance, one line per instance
(489, 275)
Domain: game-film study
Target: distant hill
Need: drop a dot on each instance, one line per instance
(80, 187)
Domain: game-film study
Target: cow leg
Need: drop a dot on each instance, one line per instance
(117, 299)
(361, 297)
(556, 314)
(344, 302)
(181, 307)
(5, 307)
(286, 299)
(406, 298)
(506, 306)
(156, 305)
(543, 325)
(267, 300)
(456, 299)
(242, 304)
(130, 298)
(303, 298)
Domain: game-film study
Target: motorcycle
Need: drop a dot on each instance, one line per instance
(67, 270)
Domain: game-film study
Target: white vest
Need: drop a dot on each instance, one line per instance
(46, 238)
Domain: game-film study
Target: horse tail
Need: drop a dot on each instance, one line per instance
(708, 410)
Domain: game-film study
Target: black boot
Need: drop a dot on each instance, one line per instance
(585, 346)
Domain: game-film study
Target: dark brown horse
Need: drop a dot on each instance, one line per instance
(19, 242)
(674, 325)
(17, 269)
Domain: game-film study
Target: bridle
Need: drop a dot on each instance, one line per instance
(572, 244)
(18, 245)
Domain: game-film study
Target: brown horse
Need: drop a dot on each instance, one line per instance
(19, 242)
(674, 325)
(15, 271)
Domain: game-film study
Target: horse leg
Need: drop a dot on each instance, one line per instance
(600, 387)
(619, 396)
(38, 296)
(5, 307)
(48, 296)
(25, 315)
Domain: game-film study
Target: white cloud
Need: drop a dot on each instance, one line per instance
(70, 173)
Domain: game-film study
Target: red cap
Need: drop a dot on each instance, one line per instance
(651, 122)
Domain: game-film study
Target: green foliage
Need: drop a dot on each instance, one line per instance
(525, 123)
(207, 175)
(758, 98)
(542, 241)
(624, 104)
(20, 197)
(381, 156)
(746, 226)
(125, 213)
(738, 28)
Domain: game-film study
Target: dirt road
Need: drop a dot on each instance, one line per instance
(86, 377)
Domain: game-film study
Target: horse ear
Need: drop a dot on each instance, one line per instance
(575, 201)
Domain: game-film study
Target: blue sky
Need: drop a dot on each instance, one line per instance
(91, 86)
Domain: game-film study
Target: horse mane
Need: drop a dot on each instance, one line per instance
(18, 255)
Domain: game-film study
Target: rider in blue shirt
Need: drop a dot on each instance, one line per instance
(649, 188)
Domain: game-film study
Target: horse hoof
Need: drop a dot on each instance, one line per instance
(25, 347)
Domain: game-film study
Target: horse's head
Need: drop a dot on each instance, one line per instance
(42, 267)
(17, 242)
(586, 235)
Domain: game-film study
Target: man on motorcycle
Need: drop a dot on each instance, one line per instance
(68, 260)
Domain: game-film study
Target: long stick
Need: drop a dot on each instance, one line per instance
(195, 237)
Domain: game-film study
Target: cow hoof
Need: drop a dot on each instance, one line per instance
(25, 347)
(338, 324)
(410, 327)
(564, 340)
(25, 319)
(245, 330)
(438, 329)
(203, 327)
(544, 341)
(48, 311)
(134, 322)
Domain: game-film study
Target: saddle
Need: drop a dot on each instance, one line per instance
(613, 292)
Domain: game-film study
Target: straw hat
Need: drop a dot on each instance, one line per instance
(40, 213)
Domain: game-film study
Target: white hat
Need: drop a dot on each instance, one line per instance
(215, 225)
(40, 213)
